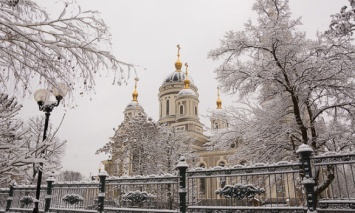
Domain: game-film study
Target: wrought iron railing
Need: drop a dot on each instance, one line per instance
(259, 185)
(335, 172)
(280, 188)
(75, 195)
(4, 193)
(24, 197)
(148, 192)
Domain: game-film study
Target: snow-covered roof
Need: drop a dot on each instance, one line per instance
(186, 92)
(134, 104)
(219, 114)
(176, 76)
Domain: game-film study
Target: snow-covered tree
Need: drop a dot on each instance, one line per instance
(301, 86)
(70, 176)
(11, 132)
(21, 145)
(303, 89)
(36, 48)
(141, 146)
(69, 48)
(54, 147)
(343, 23)
(169, 145)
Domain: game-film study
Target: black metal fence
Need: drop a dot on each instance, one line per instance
(336, 173)
(150, 193)
(75, 195)
(4, 194)
(116, 194)
(262, 186)
(24, 197)
(325, 183)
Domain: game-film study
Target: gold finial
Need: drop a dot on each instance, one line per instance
(219, 101)
(135, 93)
(178, 63)
(186, 81)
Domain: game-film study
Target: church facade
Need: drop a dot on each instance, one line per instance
(178, 100)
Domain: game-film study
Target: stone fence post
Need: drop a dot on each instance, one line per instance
(182, 167)
(50, 180)
(101, 196)
(305, 151)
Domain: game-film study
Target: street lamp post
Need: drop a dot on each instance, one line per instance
(42, 98)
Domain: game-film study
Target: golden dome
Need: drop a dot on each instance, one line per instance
(178, 63)
(186, 91)
(186, 81)
(219, 101)
(135, 93)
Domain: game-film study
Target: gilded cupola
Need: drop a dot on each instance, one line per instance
(178, 63)
(187, 90)
(219, 101)
(134, 103)
(135, 93)
(177, 75)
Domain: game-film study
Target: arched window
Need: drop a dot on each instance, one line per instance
(221, 164)
(215, 125)
(167, 107)
(181, 109)
(195, 110)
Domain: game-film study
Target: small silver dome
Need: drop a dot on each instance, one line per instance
(219, 114)
(186, 92)
(134, 104)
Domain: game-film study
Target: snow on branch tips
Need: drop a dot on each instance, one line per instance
(21, 145)
(343, 23)
(69, 48)
(303, 88)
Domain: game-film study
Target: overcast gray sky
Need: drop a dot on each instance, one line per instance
(145, 33)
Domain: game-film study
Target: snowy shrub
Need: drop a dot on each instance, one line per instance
(72, 198)
(27, 200)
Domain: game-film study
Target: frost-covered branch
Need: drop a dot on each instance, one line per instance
(342, 23)
(70, 48)
(146, 147)
(303, 89)
(21, 145)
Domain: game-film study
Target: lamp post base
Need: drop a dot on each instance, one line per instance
(35, 209)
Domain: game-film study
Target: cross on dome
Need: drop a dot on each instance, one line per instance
(178, 63)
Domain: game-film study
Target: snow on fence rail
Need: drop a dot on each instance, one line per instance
(143, 192)
(276, 188)
(260, 185)
(75, 195)
(337, 169)
(23, 198)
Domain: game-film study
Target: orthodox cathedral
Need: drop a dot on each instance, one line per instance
(178, 100)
